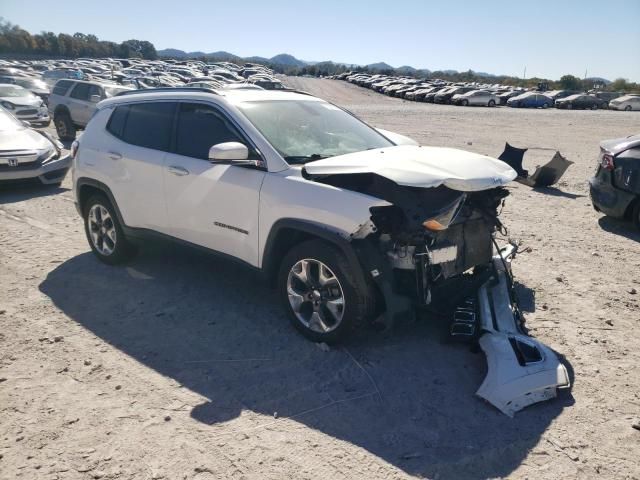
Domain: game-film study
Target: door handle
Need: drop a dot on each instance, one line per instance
(114, 155)
(179, 171)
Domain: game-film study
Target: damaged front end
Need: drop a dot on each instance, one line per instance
(434, 248)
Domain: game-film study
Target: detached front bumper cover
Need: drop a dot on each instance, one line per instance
(521, 370)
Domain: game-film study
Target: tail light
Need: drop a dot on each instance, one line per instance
(607, 162)
(74, 148)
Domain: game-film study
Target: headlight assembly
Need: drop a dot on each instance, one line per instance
(444, 217)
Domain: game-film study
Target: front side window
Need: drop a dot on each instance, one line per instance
(199, 127)
(305, 130)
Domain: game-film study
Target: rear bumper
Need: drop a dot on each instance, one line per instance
(51, 172)
(521, 370)
(608, 199)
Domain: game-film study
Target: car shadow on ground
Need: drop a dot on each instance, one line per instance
(620, 227)
(20, 193)
(406, 395)
(556, 192)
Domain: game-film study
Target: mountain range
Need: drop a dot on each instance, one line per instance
(287, 60)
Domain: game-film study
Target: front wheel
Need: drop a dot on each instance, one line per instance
(492, 103)
(320, 292)
(627, 108)
(594, 106)
(104, 232)
(464, 103)
(545, 105)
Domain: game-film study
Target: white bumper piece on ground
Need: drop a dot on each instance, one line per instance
(521, 370)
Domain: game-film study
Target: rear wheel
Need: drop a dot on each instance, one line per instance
(545, 105)
(635, 214)
(492, 103)
(627, 108)
(594, 106)
(104, 232)
(569, 106)
(320, 292)
(64, 127)
(464, 103)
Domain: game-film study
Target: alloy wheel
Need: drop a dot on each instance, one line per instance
(315, 295)
(102, 230)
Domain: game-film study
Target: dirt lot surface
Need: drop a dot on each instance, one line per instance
(182, 366)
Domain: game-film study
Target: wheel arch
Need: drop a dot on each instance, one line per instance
(60, 110)
(288, 232)
(86, 187)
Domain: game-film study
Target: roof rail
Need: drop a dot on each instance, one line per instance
(168, 89)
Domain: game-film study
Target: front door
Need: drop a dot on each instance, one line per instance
(212, 205)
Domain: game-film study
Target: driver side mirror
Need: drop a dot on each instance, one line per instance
(230, 153)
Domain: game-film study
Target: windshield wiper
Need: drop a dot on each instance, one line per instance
(301, 159)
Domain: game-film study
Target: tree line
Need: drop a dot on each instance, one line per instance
(15, 40)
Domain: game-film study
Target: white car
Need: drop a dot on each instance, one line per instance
(347, 221)
(24, 105)
(626, 102)
(27, 155)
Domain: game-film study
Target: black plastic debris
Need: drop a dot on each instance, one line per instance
(544, 176)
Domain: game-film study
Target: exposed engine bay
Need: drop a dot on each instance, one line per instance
(435, 248)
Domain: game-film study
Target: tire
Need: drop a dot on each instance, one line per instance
(545, 106)
(323, 308)
(569, 106)
(627, 108)
(491, 103)
(464, 103)
(594, 106)
(64, 127)
(104, 232)
(635, 214)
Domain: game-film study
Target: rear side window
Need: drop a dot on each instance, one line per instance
(149, 125)
(62, 86)
(198, 128)
(81, 91)
(117, 120)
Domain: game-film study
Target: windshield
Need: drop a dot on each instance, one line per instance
(8, 122)
(302, 131)
(13, 91)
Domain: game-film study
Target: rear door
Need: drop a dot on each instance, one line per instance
(140, 136)
(80, 106)
(212, 205)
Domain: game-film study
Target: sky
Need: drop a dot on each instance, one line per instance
(548, 37)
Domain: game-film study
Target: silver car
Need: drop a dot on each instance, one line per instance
(484, 98)
(28, 155)
(24, 105)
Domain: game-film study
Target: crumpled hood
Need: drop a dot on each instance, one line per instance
(425, 167)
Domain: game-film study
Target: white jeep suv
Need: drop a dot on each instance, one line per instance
(351, 223)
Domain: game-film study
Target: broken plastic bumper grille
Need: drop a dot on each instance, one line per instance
(521, 370)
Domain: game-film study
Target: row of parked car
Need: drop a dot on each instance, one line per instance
(489, 95)
(67, 91)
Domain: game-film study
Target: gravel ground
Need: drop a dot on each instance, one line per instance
(182, 366)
